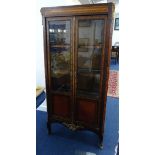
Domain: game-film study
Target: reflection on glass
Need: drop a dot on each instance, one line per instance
(90, 44)
(59, 32)
(88, 81)
(90, 32)
(59, 35)
(89, 59)
(60, 58)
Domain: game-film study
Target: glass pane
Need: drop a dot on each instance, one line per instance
(88, 83)
(59, 35)
(59, 32)
(89, 58)
(90, 32)
(90, 45)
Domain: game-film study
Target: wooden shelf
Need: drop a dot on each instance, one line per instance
(51, 33)
(62, 92)
(87, 70)
(90, 46)
(60, 73)
(60, 46)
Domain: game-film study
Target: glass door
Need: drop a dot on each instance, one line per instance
(90, 46)
(89, 57)
(60, 54)
(59, 40)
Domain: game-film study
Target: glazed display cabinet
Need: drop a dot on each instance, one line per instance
(77, 44)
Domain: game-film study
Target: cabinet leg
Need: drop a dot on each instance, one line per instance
(49, 128)
(101, 141)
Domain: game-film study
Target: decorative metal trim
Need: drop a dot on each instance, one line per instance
(71, 126)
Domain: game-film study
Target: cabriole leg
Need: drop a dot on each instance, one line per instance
(101, 141)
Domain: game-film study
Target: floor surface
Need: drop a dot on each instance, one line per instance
(66, 142)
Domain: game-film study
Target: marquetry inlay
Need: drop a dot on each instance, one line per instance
(80, 10)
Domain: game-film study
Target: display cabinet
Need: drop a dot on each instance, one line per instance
(77, 44)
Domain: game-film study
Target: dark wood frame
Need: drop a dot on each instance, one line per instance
(73, 13)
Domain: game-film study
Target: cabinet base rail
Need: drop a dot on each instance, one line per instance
(74, 127)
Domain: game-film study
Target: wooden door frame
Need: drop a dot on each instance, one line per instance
(48, 62)
(93, 17)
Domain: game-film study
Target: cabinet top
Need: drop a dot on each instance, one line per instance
(77, 10)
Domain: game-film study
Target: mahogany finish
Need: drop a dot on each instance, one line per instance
(61, 105)
(77, 89)
(86, 111)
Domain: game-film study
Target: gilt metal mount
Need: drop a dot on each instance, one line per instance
(72, 127)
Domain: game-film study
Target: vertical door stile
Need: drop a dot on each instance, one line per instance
(100, 113)
(48, 54)
(73, 61)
